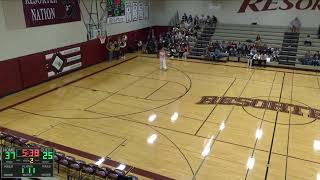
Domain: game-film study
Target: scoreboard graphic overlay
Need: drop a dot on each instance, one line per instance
(26, 162)
(116, 11)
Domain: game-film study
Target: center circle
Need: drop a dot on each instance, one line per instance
(304, 119)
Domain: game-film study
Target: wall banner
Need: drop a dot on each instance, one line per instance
(146, 11)
(116, 11)
(129, 12)
(140, 11)
(135, 11)
(47, 12)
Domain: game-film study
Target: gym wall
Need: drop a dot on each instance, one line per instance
(17, 40)
(117, 28)
(23, 50)
(268, 12)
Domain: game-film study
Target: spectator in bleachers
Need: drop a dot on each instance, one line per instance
(264, 56)
(219, 54)
(196, 23)
(184, 17)
(240, 49)
(264, 47)
(253, 51)
(316, 59)
(316, 56)
(190, 19)
(214, 18)
(209, 21)
(269, 51)
(186, 51)
(257, 56)
(307, 59)
(250, 59)
(151, 43)
(180, 51)
(275, 54)
(307, 41)
(232, 49)
(173, 51)
(258, 39)
(295, 25)
(202, 19)
(209, 53)
(177, 41)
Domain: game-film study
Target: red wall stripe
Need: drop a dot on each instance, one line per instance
(10, 79)
(26, 71)
(33, 69)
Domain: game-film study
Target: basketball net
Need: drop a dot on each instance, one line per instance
(102, 39)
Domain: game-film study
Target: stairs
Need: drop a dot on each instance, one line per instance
(289, 48)
(202, 42)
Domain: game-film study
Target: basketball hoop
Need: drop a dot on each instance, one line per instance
(102, 39)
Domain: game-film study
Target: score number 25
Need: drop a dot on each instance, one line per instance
(47, 155)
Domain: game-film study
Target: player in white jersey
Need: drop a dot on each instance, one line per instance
(162, 55)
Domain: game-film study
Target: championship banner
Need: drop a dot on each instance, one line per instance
(128, 12)
(140, 11)
(63, 61)
(135, 11)
(146, 12)
(116, 11)
(47, 12)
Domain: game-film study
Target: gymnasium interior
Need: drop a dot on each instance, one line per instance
(160, 89)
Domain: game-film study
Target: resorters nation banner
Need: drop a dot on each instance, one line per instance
(47, 12)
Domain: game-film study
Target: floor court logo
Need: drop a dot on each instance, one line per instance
(262, 104)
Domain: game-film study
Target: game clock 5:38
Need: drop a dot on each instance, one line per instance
(27, 162)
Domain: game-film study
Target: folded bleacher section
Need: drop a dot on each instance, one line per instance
(270, 35)
(202, 42)
(288, 55)
(302, 49)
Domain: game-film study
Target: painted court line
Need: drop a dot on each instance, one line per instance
(77, 152)
(83, 154)
(71, 82)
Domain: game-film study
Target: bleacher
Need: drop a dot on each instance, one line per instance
(202, 42)
(289, 49)
(271, 35)
(291, 45)
(302, 49)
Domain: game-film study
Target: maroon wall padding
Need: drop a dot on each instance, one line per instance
(33, 69)
(26, 71)
(93, 52)
(10, 79)
(61, 48)
(133, 36)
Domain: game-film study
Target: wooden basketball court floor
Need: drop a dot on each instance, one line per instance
(137, 115)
